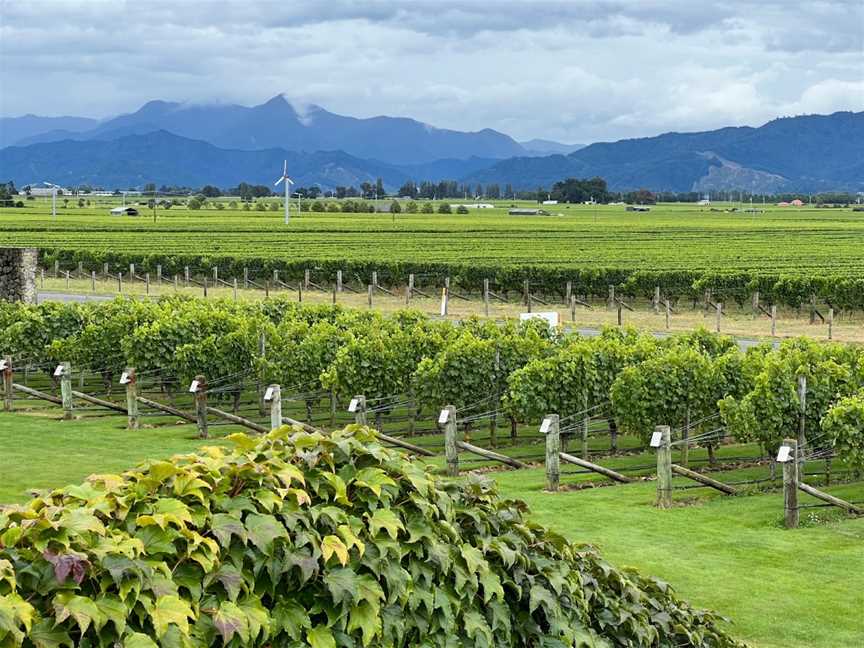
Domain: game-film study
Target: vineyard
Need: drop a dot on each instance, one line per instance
(500, 380)
(789, 257)
(222, 366)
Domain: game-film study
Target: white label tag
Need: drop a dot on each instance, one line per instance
(656, 438)
(193, 387)
(124, 378)
(58, 371)
(443, 416)
(352, 406)
(268, 395)
(544, 426)
(783, 454)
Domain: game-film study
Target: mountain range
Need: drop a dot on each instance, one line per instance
(223, 144)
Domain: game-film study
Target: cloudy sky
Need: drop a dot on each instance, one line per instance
(575, 71)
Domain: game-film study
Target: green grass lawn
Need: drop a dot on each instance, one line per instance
(782, 589)
(37, 450)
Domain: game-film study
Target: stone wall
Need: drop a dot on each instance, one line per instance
(18, 274)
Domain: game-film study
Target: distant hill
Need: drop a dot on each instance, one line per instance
(14, 130)
(165, 158)
(278, 124)
(807, 153)
(539, 147)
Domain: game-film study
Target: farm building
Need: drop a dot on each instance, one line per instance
(797, 203)
(638, 208)
(124, 211)
(474, 206)
(528, 212)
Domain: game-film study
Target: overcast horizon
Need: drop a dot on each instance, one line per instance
(574, 72)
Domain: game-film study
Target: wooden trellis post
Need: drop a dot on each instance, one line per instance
(830, 323)
(7, 383)
(273, 395)
(611, 297)
(92, 281)
(718, 315)
(369, 290)
(451, 451)
(802, 417)
(64, 372)
(131, 381)
(358, 408)
(339, 281)
(668, 313)
(486, 297)
(789, 458)
(773, 320)
(551, 428)
(186, 275)
(656, 300)
(199, 388)
(409, 290)
(663, 442)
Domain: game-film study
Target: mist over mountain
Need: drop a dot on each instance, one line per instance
(224, 144)
(278, 123)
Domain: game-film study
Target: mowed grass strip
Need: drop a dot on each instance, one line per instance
(781, 588)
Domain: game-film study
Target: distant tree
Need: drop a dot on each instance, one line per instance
(408, 189)
(641, 197)
(260, 206)
(7, 193)
(366, 189)
(444, 208)
(317, 206)
(274, 206)
(411, 207)
(395, 207)
(332, 207)
(210, 191)
(194, 203)
(493, 191)
(80, 202)
(150, 187)
(574, 190)
(427, 208)
(232, 204)
(462, 209)
(379, 188)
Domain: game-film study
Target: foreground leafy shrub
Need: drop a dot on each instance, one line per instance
(299, 539)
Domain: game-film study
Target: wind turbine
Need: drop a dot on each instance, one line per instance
(54, 189)
(288, 182)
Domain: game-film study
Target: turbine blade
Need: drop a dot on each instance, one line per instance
(285, 168)
(289, 179)
(276, 184)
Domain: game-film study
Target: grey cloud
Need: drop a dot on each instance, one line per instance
(575, 71)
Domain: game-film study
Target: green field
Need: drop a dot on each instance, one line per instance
(782, 589)
(672, 237)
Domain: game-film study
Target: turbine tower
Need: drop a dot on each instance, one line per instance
(288, 182)
(54, 189)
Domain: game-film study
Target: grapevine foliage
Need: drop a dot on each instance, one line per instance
(301, 539)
